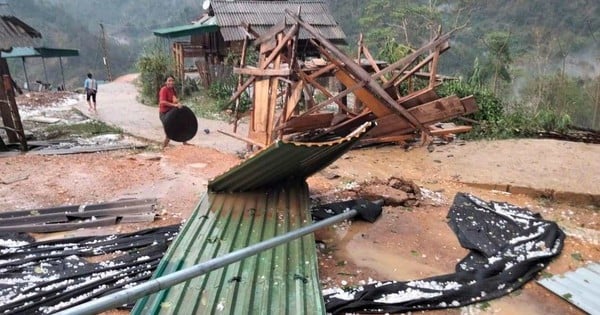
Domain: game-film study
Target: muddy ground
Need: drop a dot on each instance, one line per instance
(407, 242)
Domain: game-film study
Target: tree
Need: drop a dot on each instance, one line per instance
(403, 21)
(498, 58)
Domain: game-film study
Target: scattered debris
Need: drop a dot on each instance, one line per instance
(10, 179)
(46, 277)
(72, 217)
(580, 287)
(367, 210)
(509, 246)
(394, 191)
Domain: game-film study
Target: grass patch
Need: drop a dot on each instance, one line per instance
(85, 129)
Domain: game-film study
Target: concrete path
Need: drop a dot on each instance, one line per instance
(117, 106)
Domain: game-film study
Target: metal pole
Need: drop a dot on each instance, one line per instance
(25, 72)
(62, 72)
(134, 293)
(45, 73)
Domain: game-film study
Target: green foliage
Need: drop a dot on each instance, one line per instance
(498, 120)
(154, 66)
(490, 106)
(392, 51)
(561, 100)
(222, 90)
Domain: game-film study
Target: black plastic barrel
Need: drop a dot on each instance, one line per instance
(180, 124)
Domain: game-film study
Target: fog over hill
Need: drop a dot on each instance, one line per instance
(568, 33)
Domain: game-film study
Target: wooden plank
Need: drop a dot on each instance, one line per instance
(372, 102)
(261, 108)
(274, 83)
(261, 72)
(293, 99)
(445, 131)
(400, 139)
(396, 82)
(309, 122)
(469, 104)
(263, 65)
(433, 68)
(419, 97)
(429, 113)
(270, 33)
(372, 62)
(328, 68)
(247, 140)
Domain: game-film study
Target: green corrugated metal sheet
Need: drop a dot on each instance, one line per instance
(27, 52)
(283, 160)
(282, 280)
(208, 26)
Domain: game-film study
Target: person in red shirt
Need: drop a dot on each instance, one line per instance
(167, 100)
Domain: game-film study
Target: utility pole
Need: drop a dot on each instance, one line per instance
(105, 54)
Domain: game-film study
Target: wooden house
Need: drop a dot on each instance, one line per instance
(221, 31)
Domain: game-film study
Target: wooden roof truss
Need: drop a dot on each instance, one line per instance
(280, 81)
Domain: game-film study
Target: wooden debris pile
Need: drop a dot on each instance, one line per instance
(401, 97)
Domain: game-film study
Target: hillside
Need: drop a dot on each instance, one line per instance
(75, 24)
(530, 41)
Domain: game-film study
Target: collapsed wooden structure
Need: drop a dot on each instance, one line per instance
(13, 32)
(401, 97)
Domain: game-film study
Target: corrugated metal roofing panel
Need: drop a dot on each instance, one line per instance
(18, 52)
(14, 32)
(283, 160)
(334, 34)
(282, 280)
(580, 287)
(264, 14)
(186, 30)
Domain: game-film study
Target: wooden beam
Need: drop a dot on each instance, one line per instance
(236, 136)
(323, 90)
(429, 113)
(269, 34)
(360, 73)
(372, 62)
(372, 102)
(250, 32)
(323, 70)
(413, 56)
(396, 82)
(264, 65)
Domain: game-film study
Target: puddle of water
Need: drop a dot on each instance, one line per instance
(388, 263)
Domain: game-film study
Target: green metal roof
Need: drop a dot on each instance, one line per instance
(207, 26)
(282, 280)
(283, 160)
(39, 52)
